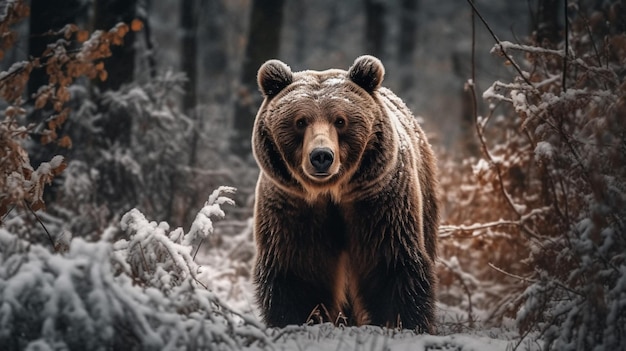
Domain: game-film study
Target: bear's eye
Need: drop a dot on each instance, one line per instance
(340, 122)
(300, 123)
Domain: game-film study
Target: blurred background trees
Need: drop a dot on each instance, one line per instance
(205, 55)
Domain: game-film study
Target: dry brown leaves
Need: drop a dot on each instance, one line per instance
(63, 62)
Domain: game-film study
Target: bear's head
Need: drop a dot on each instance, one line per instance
(320, 133)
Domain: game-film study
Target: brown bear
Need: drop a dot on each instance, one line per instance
(346, 211)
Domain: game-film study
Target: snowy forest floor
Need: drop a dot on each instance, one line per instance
(226, 268)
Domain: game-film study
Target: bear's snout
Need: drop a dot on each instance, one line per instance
(321, 158)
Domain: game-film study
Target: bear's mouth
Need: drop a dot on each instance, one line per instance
(321, 175)
(318, 177)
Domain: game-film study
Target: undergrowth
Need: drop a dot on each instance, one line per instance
(541, 212)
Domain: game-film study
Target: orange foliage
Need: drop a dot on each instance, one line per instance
(20, 184)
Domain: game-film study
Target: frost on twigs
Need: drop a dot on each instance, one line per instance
(545, 205)
(138, 293)
(160, 257)
(202, 226)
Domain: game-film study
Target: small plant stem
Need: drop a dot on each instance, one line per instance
(495, 37)
(566, 46)
(42, 225)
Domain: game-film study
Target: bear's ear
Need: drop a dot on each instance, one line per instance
(367, 72)
(273, 77)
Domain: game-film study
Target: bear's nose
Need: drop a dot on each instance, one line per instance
(321, 158)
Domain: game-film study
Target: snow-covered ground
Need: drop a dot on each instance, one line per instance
(226, 269)
(138, 287)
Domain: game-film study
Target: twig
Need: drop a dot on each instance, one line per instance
(287, 330)
(198, 249)
(447, 230)
(199, 282)
(495, 37)
(143, 258)
(534, 281)
(7, 214)
(467, 291)
(42, 225)
(474, 51)
(520, 278)
(566, 47)
(485, 149)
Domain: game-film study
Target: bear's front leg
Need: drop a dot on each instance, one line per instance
(298, 248)
(400, 292)
(286, 298)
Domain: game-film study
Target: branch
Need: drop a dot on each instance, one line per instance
(448, 230)
(42, 225)
(566, 46)
(517, 277)
(465, 287)
(495, 37)
(479, 131)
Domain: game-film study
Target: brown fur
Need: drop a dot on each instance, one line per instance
(360, 237)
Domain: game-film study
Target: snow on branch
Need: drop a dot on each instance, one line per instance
(202, 225)
(507, 45)
(136, 293)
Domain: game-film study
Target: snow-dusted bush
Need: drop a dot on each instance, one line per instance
(143, 152)
(140, 292)
(21, 184)
(553, 166)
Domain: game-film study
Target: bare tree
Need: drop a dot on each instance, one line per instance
(375, 28)
(115, 185)
(121, 64)
(189, 51)
(47, 16)
(546, 21)
(263, 43)
(407, 41)
(214, 42)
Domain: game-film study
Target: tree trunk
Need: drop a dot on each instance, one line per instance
(375, 28)
(47, 15)
(263, 44)
(121, 65)
(116, 185)
(407, 41)
(215, 45)
(302, 30)
(144, 15)
(181, 202)
(189, 52)
(462, 70)
(547, 26)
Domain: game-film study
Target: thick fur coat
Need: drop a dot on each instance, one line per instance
(346, 212)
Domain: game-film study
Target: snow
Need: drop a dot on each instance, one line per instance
(481, 167)
(15, 67)
(544, 150)
(334, 81)
(328, 337)
(507, 45)
(148, 284)
(138, 283)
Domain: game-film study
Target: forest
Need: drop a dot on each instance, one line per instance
(127, 178)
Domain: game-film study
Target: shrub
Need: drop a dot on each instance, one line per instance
(551, 189)
(140, 292)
